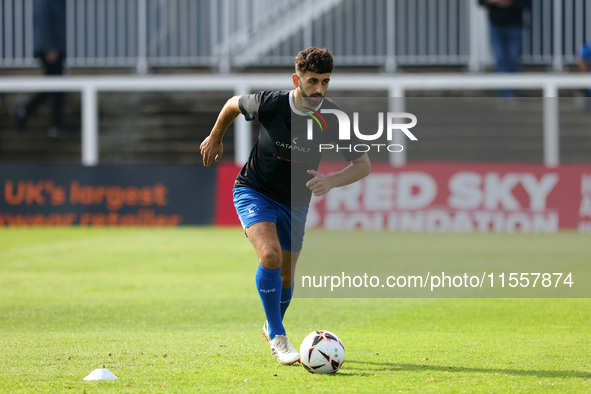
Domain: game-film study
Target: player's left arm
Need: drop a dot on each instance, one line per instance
(321, 184)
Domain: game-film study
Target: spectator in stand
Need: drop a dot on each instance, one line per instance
(584, 61)
(506, 30)
(50, 48)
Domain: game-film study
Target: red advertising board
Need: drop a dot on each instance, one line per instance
(446, 197)
(225, 214)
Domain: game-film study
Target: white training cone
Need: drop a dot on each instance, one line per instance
(101, 374)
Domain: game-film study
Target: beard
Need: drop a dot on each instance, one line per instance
(313, 100)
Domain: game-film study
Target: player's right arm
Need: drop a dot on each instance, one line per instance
(212, 147)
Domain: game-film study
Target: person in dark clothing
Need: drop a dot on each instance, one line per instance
(50, 48)
(583, 57)
(506, 31)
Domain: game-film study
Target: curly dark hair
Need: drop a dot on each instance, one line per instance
(317, 60)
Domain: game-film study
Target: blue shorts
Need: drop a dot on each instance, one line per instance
(253, 207)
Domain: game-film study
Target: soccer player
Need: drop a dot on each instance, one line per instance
(273, 190)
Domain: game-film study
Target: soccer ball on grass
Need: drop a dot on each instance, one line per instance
(322, 352)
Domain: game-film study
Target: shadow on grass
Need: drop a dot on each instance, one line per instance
(363, 368)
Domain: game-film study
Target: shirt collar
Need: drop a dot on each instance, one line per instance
(297, 111)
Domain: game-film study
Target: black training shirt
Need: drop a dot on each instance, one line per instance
(282, 153)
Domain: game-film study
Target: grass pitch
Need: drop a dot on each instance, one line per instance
(176, 310)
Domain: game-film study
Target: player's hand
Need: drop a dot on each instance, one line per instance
(320, 184)
(211, 149)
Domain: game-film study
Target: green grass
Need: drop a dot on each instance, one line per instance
(176, 310)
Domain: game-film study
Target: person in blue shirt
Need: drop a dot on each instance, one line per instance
(584, 60)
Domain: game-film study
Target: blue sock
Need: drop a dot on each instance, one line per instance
(286, 295)
(269, 287)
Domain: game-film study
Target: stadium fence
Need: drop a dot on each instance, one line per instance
(229, 35)
(396, 86)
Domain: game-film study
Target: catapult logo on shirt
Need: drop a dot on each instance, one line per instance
(293, 146)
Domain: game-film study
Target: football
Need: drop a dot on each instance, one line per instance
(322, 352)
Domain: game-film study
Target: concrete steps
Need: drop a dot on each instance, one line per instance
(133, 127)
(169, 126)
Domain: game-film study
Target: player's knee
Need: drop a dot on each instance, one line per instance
(270, 257)
(285, 280)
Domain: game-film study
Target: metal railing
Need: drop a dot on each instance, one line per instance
(231, 34)
(90, 87)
